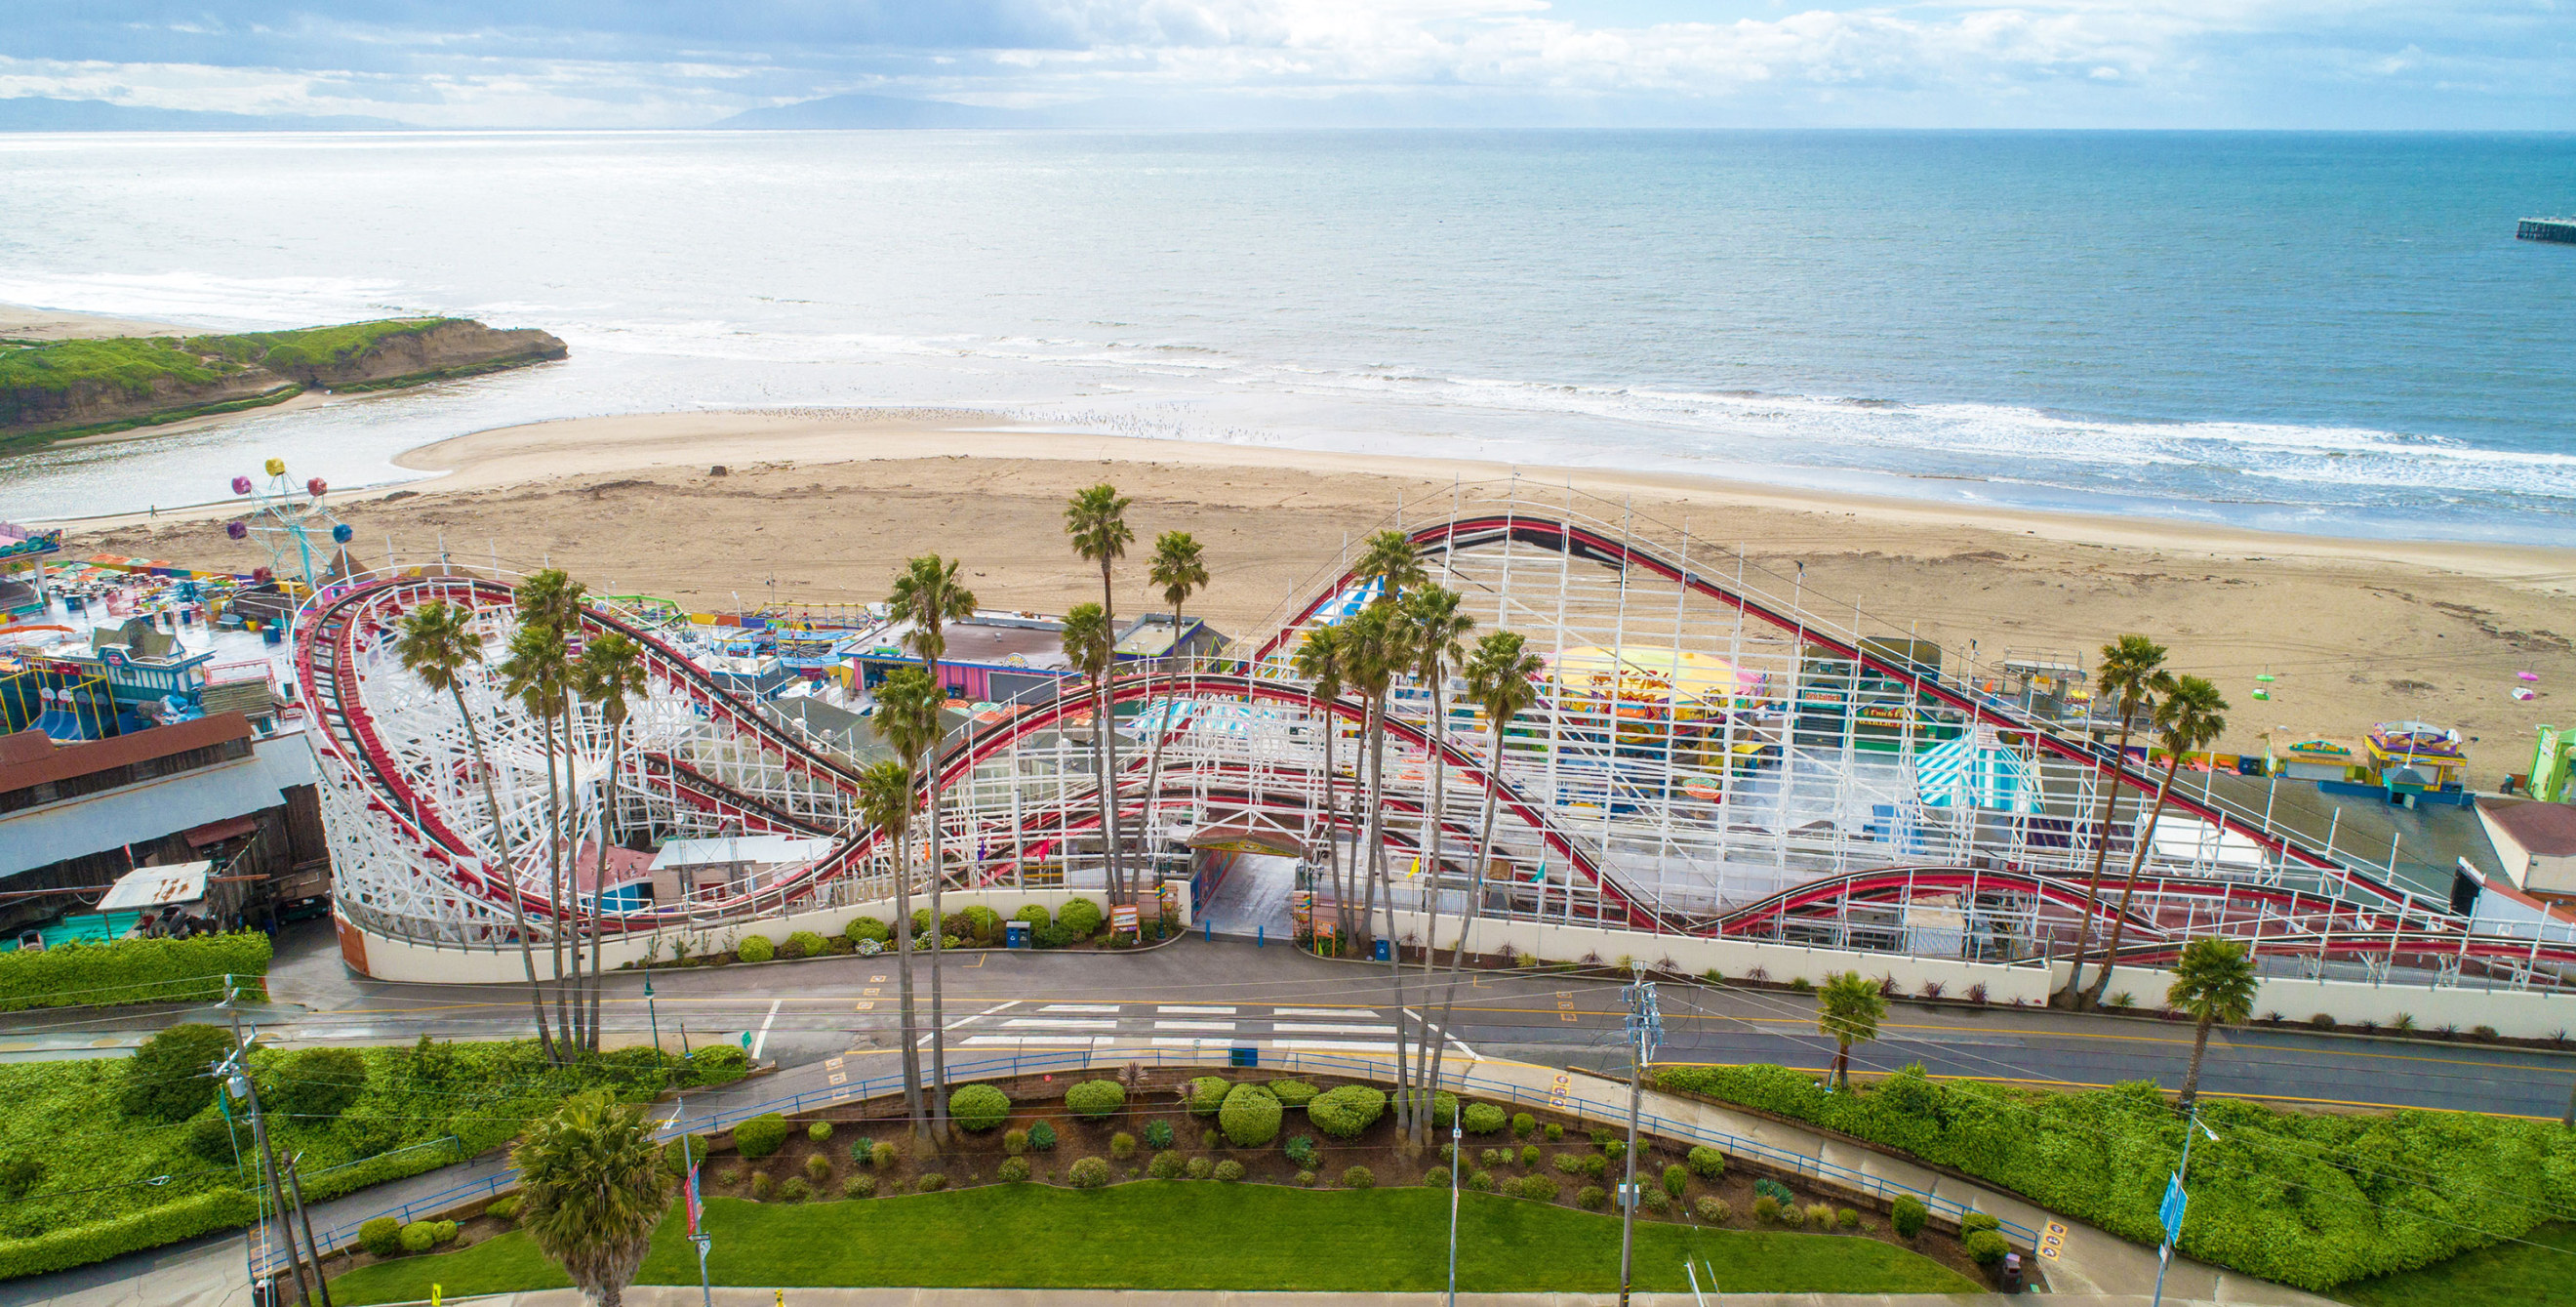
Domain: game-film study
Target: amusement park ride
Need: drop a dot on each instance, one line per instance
(1715, 751)
(289, 519)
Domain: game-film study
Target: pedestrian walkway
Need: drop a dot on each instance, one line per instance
(1112, 1028)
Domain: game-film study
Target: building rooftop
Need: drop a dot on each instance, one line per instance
(988, 639)
(29, 758)
(2546, 830)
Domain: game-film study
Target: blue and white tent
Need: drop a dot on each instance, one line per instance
(1975, 771)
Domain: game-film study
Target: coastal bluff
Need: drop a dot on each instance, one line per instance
(54, 390)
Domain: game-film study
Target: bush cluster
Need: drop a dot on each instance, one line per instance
(1165, 1166)
(761, 1135)
(820, 1132)
(1715, 1211)
(1523, 1125)
(978, 1107)
(1250, 1116)
(1089, 1172)
(1229, 1170)
(1343, 1113)
(796, 1190)
(1079, 918)
(1907, 1215)
(1707, 1163)
(1206, 1094)
(1095, 1100)
(861, 1185)
(755, 948)
(1292, 1093)
(133, 971)
(1359, 1177)
(1484, 1119)
(1013, 1170)
(867, 928)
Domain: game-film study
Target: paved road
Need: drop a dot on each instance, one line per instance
(1276, 997)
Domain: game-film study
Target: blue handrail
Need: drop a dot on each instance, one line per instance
(334, 1237)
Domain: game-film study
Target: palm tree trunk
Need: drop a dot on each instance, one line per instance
(1109, 833)
(510, 879)
(938, 933)
(1406, 1107)
(1467, 920)
(555, 886)
(1842, 1064)
(2137, 861)
(2191, 1078)
(903, 980)
(599, 887)
(1369, 799)
(1431, 813)
(1154, 761)
(1332, 727)
(2101, 855)
(1108, 810)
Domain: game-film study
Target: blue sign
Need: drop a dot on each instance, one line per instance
(2170, 1211)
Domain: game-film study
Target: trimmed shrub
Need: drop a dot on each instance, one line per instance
(1715, 1211)
(1291, 1093)
(1306, 1179)
(1529, 1154)
(504, 1208)
(818, 1168)
(1820, 1215)
(1158, 1134)
(719, 1064)
(1079, 918)
(1656, 1201)
(1592, 1198)
(1484, 1119)
(1481, 1181)
(1229, 1170)
(419, 1236)
(1301, 1150)
(1444, 1109)
(1036, 915)
(1536, 1188)
(795, 1190)
(166, 1080)
(731, 1175)
(1523, 1125)
(1614, 1149)
(1436, 1178)
(1122, 1145)
(1343, 1113)
(1793, 1216)
(1209, 1138)
(869, 928)
(134, 971)
(755, 948)
(1206, 1094)
(864, 1185)
(1848, 1218)
(1555, 1132)
(761, 1186)
(883, 1156)
(1569, 1163)
(1766, 1208)
(1088, 1173)
(819, 1131)
(1014, 1170)
(1198, 1168)
(1250, 1116)
(381, 1236)
(1095, 1100)
(1975, 1221)
(1676, 1179)
(1707, 1163)
(979, 1108)
(982, 923)
(1165, 1166)
(1907, 1215)
(686, 1151)
(761, 1135)
(1986, 1246)
(1015, 1142)
(1359, 1177)
(932, 1182)
(1042, 1138)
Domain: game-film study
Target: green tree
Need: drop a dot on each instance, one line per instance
(1848, 1010)
(1435, 628)
(1178, 572)
(538, 674)
(885, 802)
(2132, 674)
(907, 719)
(1095, 520)
(437, 644)
(1319, 660)
(2189, 718)
(930, 596)
(1089, 644)
(610, 672)
(1377, 650)
(170, 1077)
(1502, 678)
(2214, 981)
(592, 1189)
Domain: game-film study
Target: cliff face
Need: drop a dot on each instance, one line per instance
(78, 387)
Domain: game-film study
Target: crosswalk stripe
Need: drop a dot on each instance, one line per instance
(1345, 1012)
(1331, 1045)
(1196, 1011)
(1079, 1007)
(1168, 1041)
(1194, 1025)
(1063, 1023)
(1305, 1028)
(1033, 1041)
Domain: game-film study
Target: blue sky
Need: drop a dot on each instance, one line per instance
(671, 63)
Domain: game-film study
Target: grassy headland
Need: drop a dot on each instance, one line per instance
(56, 390)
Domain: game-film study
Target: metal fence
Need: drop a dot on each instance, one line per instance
(333, 1237)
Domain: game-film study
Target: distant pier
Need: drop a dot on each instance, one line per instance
(2561, 230)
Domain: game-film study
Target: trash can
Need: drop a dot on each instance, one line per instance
(1385, 949)
(2012, 1272)
(1015, 934)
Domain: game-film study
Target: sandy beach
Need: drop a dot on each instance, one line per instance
(822, 506)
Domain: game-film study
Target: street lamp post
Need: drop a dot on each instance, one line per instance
(650, 1014)
(1457, 1160)
(1645, 1031)
(2170, 1212)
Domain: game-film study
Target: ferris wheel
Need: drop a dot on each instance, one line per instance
(290, 520)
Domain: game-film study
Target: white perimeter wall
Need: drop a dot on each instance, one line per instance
(2530, 1014)
(386, 958)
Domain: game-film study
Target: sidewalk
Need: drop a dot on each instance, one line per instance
(2093, 1263)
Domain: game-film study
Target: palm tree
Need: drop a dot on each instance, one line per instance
(1319, 660)
(2133, 673)
(1848, 1009)
(534, 674)
(1501, 678)
(1088, 643)
(2214, 981)
(1435, 630)
(437, 644)
(930, 596)
(1179, 573)
(2188, 719)
(1095, 519)
(907, 718)
(592, 1189)
(885, 802)
(550, 599)
(610, 670)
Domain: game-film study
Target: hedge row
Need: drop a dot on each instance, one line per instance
(2310, 1201)
(81, 1245)
(132, 971)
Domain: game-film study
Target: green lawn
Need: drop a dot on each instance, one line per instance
(1190, 1235)
(2504, 1275)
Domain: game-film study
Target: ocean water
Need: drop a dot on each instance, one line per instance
(2302, 332)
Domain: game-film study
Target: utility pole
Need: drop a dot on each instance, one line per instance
(1645, 1033)
(295, 1190)
(2171, 1210)
(1457, 1163)
(235, 1071)
(689, 1172)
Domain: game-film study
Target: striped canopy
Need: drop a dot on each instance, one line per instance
(1974, 771)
